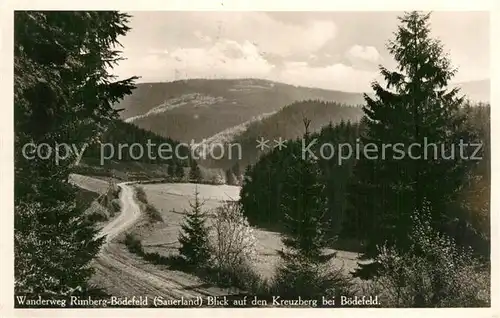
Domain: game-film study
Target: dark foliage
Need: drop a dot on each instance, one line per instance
(194, 236)
(62, 93)
(263, 187)
(117, 143)
(414, 107)
(194, 172)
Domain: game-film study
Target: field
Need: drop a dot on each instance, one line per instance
(172, 200)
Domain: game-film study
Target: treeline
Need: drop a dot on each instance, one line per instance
(127, 134)
(263, 190)
(284, 124)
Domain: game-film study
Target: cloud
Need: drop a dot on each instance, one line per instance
(363, 53)
(335, 76)
(333, 50)
(223, 59)
(269, 35)
(230, 59)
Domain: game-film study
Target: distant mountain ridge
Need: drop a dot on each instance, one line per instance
(197, 109)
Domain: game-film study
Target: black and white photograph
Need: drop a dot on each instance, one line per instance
(251, 159)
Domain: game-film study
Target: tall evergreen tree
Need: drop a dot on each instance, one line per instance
(304, 207)
(414, 107)
(194, 236)
(63, 93)
(305, 211)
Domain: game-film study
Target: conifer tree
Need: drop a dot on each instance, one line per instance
(194, 236)
(304, 207)
(415, 107)
(63, 93)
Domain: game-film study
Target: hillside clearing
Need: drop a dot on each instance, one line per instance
(172, 200)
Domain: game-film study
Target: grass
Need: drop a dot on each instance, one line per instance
(172, 200)
(160, 246)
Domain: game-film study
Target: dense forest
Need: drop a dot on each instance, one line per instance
(285, 124)
(122, 133)
(422, 219)
(263, 185)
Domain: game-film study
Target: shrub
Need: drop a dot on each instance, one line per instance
(435, 272)
(96, 212)
(311, 280)
(233, 250)
(141, 195)
(242, 276)
(153, 214)
(232, 241)
(115, 207)
(133, 244)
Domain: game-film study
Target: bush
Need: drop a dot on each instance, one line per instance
(435, 272)
(115, 207)
(111, 199)
(314, 281)
(96, 212)
(153, 214)
(232, 241)
(141, 195)
(133, 244)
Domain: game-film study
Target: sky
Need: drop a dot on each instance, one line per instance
(330, 50)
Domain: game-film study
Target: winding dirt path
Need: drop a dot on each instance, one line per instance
(124, 274)
(129, 215)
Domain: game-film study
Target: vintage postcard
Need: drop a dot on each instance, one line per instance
(238, 159)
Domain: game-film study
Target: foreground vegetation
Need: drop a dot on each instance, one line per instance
(428, 246)
(63, 93)
(423, 223)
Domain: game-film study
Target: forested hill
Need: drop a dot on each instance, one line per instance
(123, 144)
(199, 108)
(286, 124)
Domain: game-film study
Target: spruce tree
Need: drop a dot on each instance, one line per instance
(304, 207)
(194, 236)
(414, 107)
(63, 93)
